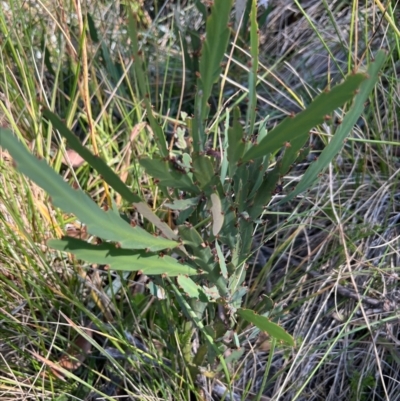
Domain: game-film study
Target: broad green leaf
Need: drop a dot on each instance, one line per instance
(122, 259)
(108, 175)
(257, 171)
(342, 132)
(266, 325)
(214, 47)
(293, 128)
(106, 225)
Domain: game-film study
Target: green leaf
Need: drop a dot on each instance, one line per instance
(168, 175)
(254, 37)
(343, 131)
(266, 325)
(108, 175)
(106, 225)
(191, 289)
(290, 155)
(183, 204)
(221, 259)
(217, 37)
(122, 259)
(299, 126)
(192, 238)
(203, 257)
(203, 171)
(217, 215)
(236, 142)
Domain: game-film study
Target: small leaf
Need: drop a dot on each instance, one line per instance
(203, 171)
(191, 289)
(212, 292)
(266, 325)
(156, 290)
(72, 158)
(217, 215)
(183, 204)
(167, 174)
(236, 143)
(264, 193)
(221, 259)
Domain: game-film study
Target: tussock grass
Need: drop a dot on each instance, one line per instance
(331, 256)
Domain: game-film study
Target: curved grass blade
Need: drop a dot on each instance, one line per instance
(299, 126)
(106, 225)
(342, 132)
(122, 259)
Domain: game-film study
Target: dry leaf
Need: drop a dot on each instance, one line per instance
(78, 351)
(73, 159)
(74, 356)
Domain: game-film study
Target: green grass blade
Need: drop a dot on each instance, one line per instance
(348, 122)
(143, 85)
(106, 225)
(300, 125)
(122, 259)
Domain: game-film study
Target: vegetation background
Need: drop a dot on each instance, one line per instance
(324, 265)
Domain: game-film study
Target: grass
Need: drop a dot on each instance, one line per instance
(323, 252)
